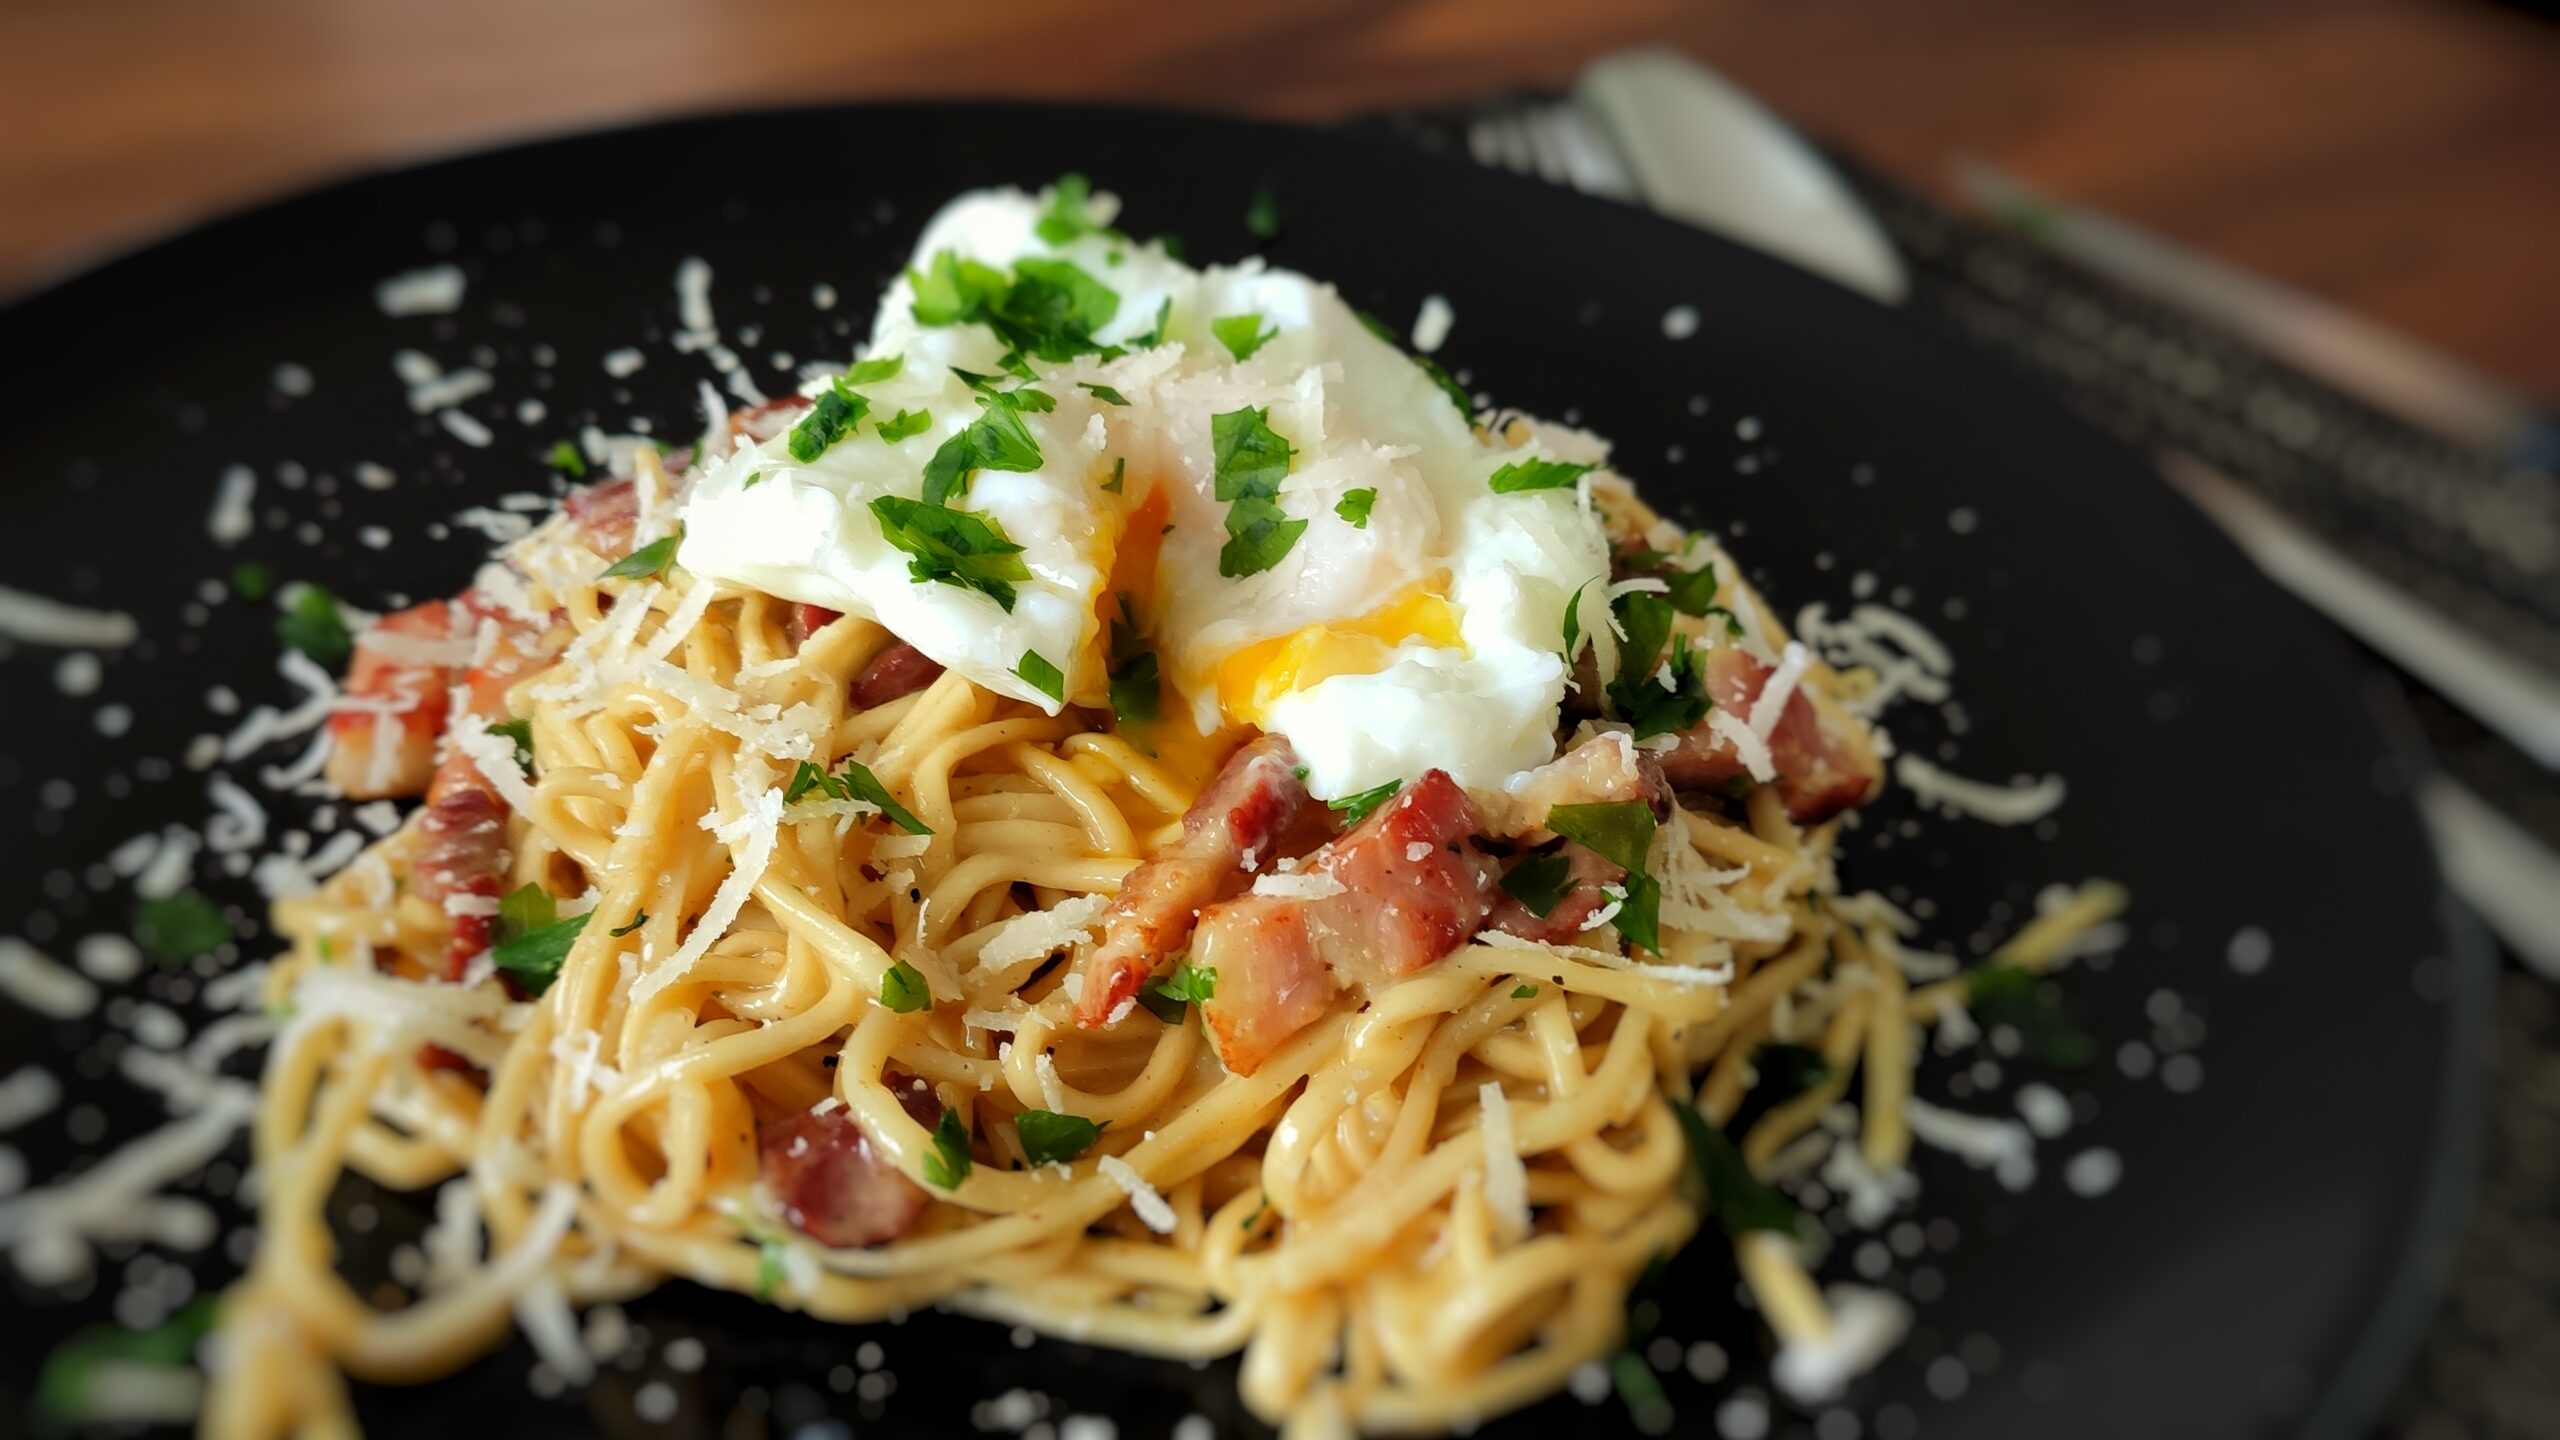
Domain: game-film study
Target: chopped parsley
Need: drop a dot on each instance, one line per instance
(178, 928)
(997, 440)
(856, 783)
(1539, 883)
(1189, 983)
(1048, 309)
(771, 1252)
(313, 624)
(1103, 393)
(948, 1163)
(69, 1391)
(1620, 832)
(1049, 1138)
(952, 547)
(1653, 709)
(1035, 670)
(2020, 999)
(1355, 808)
(903, 989)
(1449, 386)
(1069, 213)
(1119, 475)
(836, 414)
(902, 425)
(871, 372)
(1524, 992)
(636, 922)
(1573, 621)
(519, 730)
(1520, 475)
(1251, 460)
(1262, 215)
(1134, 688)
(1354, 506)
(533, 941)
(1242, 334)
(1786, 1070)
(1155, 334)
(1740, 1202)
(1645, 702)
(649, 562)
(1259, 1210)
(252, 580)
(569, 460)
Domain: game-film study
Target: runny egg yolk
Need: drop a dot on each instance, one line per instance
(1252, 679)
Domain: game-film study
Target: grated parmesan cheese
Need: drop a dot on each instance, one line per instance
(1143, 1199)
(231, 520)
(1040, 933)
(35, 620)
(1864, 1325)
(750, 838)
(435, 290)
(1993, 804)
(1781, 687)
(1302, 885)
(43, 984)
(1506, 1177)
(1748, 745)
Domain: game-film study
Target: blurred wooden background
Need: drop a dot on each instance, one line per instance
(2401, 157)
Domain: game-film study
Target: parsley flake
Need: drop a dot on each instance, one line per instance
(903, 989)
(1155, 335)
(837, 412)
(1524, 992)
(1739, 1200)
(997, 440)
(1262, 215)
(949, 1162)
(74, 1388)
(1103, 393)
(1539, 883)
(1520, 475)
(650, 562)
(636, 922)
(313, 624)
(1049, 1138)
(1242, 334)
(569, 460)
(1354, 506)
(1189, 983)
(1069, 213)
(251, 579)
(178, 928)
(1620, 832)
(2019, 998)
(519, 730)
(1355, 808)
(871, 372)
(1119, 475)
(1251, 459)
(856, 783)
(952, 547)
(1035, 670)
(1134, 688)
(902, 425)
(533, 942)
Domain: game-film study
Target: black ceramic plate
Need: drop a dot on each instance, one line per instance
(2291, 1140)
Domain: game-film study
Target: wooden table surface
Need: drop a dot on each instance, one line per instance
(2401, 157)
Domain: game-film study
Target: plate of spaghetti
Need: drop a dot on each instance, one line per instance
(813, 775)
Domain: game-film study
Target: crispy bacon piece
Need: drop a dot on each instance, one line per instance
(759, 423)
(1231, 829)
(396, 702)
(831, 1185)
(1603, 769)
(604, 513)
(1414, 887)
(893, 674)
(462, 853)
(1822, 767)
(808, 620)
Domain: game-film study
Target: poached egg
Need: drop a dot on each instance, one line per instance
(1415, 620)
